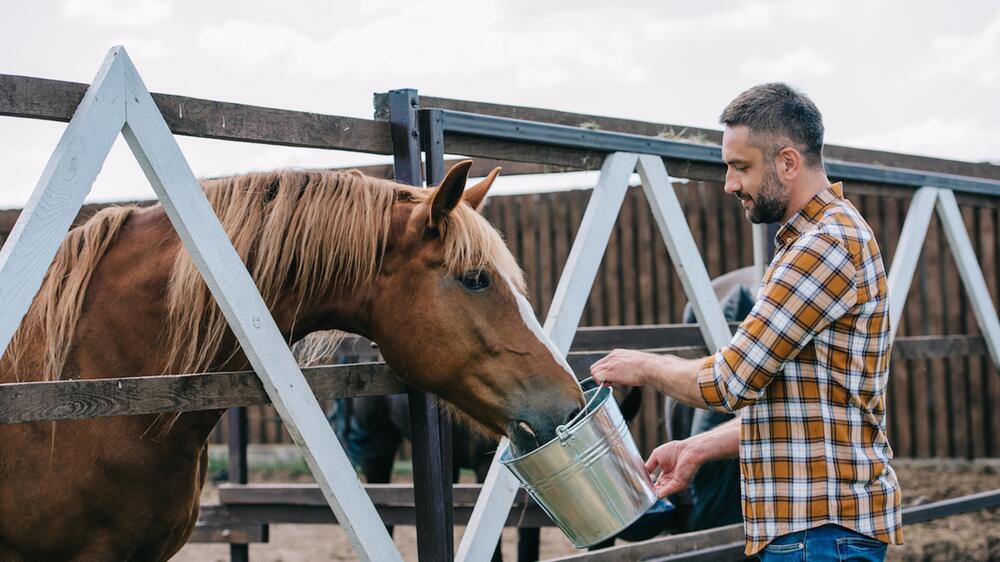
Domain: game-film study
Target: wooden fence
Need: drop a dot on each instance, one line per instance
(942, 403)
(940, 407)
(943, 407)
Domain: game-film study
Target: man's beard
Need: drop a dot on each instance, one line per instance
(771, 202)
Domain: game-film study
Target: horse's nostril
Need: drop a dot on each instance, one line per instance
(572, 415)
(527, 428)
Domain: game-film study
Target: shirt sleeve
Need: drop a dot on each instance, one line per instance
(810, 287)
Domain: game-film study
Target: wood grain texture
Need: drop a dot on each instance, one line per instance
(59, 193)
(55, 100)
(234, 291)
(83, 399)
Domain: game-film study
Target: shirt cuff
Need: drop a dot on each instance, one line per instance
(707, 383)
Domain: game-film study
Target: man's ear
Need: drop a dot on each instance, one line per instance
(789, 162)
(475, 196)
(448, 195)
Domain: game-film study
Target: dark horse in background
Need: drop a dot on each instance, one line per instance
(418, 271)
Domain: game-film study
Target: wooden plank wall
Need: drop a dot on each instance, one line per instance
(937, 407)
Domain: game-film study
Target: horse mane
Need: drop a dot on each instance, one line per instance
(53, 313)
(308, 231)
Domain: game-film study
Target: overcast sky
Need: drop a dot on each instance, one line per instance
(920, 77)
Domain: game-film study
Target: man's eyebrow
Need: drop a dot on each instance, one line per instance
(735, 162)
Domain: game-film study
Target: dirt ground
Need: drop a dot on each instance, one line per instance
(971, 536)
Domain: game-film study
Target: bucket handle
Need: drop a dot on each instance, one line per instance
(563, 430)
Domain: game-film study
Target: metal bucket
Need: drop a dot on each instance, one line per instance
(590, 479)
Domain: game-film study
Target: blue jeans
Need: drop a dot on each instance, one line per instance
(822, 544)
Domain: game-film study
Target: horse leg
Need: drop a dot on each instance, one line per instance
(528, 540)
(379, 471)
(373, 439)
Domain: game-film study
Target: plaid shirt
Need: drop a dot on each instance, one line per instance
(810, 365)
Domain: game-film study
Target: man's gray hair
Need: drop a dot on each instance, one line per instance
(776, 110)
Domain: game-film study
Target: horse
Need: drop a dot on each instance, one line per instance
(418, 271)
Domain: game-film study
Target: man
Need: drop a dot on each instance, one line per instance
(808, 366)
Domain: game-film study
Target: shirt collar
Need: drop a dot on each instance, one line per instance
(808, 215)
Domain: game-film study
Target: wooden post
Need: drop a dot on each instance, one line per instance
(488, 517)
(227, 277)
(118, 101)
(684, 252)
(59, 194)
(904, 262)
(574, 286)
(969, 271)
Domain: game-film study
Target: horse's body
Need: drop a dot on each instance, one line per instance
(84, 484)
(122, 299)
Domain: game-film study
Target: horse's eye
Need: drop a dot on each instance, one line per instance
(475, 280)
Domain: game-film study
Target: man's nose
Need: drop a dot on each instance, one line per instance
(731, 185)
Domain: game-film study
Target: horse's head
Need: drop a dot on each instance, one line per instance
(450, 316)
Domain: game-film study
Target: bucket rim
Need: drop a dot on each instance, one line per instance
(506, 450)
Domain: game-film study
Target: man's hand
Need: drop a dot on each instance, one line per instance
(624, 366)
(678, 462)
(669, 374)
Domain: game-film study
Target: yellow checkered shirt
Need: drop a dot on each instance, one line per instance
(810, 366)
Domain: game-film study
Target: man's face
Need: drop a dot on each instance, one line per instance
(752, 177)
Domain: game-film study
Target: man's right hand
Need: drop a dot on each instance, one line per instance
(678, 463)
(628, 367)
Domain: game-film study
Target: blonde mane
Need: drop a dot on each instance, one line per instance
(319, 230)
(53, 313)
(298, 231)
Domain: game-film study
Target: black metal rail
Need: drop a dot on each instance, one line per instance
(535, 132)
(430, 425)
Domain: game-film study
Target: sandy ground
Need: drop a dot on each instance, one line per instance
(972, 536)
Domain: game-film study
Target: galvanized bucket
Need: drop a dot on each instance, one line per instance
(590, 479)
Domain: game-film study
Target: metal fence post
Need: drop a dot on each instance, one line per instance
(429, 434)
(237, 440)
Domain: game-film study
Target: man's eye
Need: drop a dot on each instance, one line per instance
(475, 280)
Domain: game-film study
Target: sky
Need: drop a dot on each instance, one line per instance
(906, 76)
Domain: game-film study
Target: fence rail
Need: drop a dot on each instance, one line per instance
(942, 398)
(56, 100)
(128, 396)
(944, 392)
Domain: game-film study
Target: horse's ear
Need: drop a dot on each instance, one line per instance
(449, 194)
(476, 195)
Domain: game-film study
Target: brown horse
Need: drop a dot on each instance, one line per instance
(420, 272)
